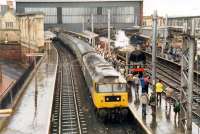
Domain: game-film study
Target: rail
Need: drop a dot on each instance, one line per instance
(65, 114)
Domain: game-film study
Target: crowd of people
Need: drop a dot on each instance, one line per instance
(138, 80)
(154, 99)
(118, 64)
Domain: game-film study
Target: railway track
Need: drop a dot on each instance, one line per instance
(67, 113)
(88, 121)
(171, 77)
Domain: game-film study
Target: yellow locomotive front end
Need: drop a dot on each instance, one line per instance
(110, 100)
(110, 95)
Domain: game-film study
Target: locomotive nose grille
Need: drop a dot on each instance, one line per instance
(112, 98)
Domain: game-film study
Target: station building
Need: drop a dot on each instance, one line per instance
(72, 14)
(20, 34)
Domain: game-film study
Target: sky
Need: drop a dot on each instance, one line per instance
(172, 7)
(169, 7)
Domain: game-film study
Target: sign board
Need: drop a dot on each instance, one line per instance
(34, 54)
(137, 69)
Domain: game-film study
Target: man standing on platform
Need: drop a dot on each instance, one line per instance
(169, 94)
(159, 90)
(136, 82)
(144, 100)
(147, 81)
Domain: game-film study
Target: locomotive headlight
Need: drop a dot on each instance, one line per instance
(117, 98)
(123, 99)
(107, 99)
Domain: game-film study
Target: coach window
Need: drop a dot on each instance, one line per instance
(99, 10)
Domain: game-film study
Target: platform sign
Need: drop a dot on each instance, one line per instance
(34, 54)
(137, 69)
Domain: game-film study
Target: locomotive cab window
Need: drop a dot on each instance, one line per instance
(119, 87)
(104, 88)
(108, 88)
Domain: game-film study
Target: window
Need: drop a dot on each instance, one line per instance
(108, 88)
(9, 24)
(99, 10)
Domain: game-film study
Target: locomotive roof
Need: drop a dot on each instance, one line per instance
(100, 70)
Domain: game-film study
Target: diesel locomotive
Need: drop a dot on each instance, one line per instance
(106, 86)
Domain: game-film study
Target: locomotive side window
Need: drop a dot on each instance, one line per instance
(99, 10)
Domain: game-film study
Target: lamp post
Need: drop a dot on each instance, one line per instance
(36, 85)
(109, 31)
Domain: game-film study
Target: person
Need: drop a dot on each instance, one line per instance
(130, 84)
(147, 81)
(177, 108)
(152, 102)
(136, 81)
(142, 84)
(159, 90)
(169, 93)
(144, 101)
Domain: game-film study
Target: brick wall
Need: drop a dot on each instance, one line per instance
(10, 52)
(14, 52)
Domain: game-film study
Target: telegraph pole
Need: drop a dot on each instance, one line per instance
(83, 24)
(92, 23)
(154, 38)
(109, 31)
(92, 29)
(165, 36)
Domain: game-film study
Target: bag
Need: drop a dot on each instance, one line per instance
(169, 92)
(144, 99)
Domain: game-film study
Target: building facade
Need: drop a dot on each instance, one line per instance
(148, 21)
(73, 13)
(3, 9)
(20, 34)
(185, 22)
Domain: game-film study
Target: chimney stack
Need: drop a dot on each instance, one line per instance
(10, 5)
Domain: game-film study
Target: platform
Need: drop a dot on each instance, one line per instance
(27, 119)
(164, 123)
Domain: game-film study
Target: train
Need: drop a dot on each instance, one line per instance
(136, 59)
(107, 87)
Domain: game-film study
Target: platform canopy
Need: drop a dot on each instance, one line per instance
(89, 34)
